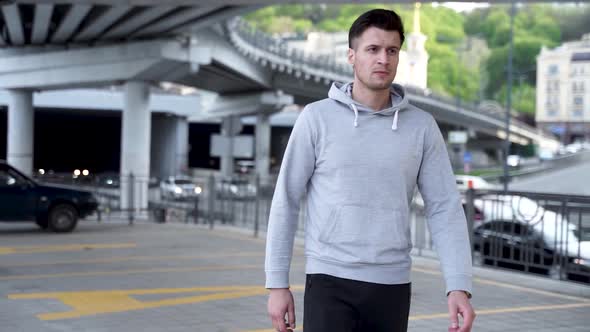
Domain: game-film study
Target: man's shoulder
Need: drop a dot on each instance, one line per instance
(321, 105)
(418, 115)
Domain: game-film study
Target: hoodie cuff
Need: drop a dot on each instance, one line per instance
(277, 279)
(459, 282)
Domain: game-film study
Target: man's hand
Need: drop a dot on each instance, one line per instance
(459, 304)
(280, 302)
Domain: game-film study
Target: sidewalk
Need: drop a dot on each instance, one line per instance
(178, 277)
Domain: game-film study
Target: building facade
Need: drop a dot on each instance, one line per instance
(563, 90)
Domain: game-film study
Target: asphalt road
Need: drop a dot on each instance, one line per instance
(572, 180)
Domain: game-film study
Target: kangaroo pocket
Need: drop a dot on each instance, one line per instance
(356, 234)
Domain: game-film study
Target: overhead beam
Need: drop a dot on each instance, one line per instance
(81, 67)
(108, 18)
(216, 17)
(175, 20)
(208, 44)
(41, 23)
(14, 24)
(245, 104)
(70, 23)
(137, 21)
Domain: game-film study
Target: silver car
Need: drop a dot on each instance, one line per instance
(179, 188)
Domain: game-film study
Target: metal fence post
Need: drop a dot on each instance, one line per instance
(211, 201)
(131, 196)
(470, 214)
(256, 205)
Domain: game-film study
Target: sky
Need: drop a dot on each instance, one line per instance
(462, 6)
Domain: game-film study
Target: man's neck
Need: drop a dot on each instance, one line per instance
(375, 99)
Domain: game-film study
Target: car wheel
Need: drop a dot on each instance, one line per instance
(63, 218)
(557, 272)
(477, 259)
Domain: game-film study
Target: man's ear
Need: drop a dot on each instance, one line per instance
(351, 56)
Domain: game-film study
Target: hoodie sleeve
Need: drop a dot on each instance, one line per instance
(296, 169)
(444, 212)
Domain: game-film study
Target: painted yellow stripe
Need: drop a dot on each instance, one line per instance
(87, 303)
(136, 258)
(135, 271)
(63, 248)
(509, 286)
(482, 312)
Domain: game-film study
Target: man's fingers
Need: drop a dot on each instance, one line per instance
(291, 315)
(453, 312)
(279, 324)
(468, 318)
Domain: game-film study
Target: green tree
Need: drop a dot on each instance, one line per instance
(523, 97)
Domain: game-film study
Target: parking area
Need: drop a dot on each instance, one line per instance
(178, 277)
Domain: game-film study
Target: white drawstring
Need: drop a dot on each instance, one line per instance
(356, 115)
(394, 124)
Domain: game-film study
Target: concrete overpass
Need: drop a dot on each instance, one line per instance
(53, 45)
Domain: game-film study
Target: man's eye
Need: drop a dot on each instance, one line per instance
(372, 49)
(392, 51)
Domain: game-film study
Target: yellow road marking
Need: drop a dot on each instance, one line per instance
(87, 303)
(63, 248)
(137, 258)
(480, 312)
(136, 271)
(504, 285)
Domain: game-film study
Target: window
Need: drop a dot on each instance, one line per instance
(553, 70)
(578, 101)
(578, 113)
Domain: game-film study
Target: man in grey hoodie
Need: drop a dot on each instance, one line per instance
(356, 158)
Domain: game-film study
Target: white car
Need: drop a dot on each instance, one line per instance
(463, 182)
(548, 233)
(179, 188)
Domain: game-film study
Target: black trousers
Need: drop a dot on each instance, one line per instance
(343, 305)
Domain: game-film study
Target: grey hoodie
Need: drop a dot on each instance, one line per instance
(357, 170)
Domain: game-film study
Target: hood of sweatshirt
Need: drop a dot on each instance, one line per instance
(343, 94)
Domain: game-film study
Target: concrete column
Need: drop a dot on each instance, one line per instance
(21, 113)
(169, 145)
(181, 156)
(263, 146)
(230, 127)
(135, 146)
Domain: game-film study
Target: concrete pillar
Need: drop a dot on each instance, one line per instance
(230, 127)
(135, 146)
(169, 145)
(182, 147)
(263, 146)
(21, 113)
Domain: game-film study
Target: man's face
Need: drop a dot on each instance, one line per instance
(374, 57)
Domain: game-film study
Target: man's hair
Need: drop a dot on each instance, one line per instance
(379, 18)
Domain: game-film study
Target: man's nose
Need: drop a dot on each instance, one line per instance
(382, 58)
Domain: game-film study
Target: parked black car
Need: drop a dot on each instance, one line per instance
(556, 249)
(53, 207)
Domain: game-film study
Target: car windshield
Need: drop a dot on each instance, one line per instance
(182, 181)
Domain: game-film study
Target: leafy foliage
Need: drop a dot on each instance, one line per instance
(448, 44)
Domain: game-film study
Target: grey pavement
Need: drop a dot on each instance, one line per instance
(177, 277)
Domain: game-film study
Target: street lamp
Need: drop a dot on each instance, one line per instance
(509, 96)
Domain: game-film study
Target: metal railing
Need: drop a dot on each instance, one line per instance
(531, 232)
